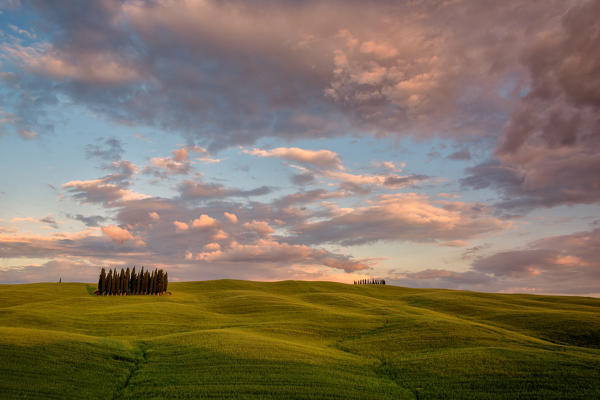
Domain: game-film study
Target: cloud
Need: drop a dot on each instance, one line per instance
(548, 153)
(260, 227)
(162, 167)
(107, 149)
(380, 50)
(87, 244)
(303, 179)
(404, 217)
(231, 217)
(98, 191)
(316, 158)
(117, 234)
(204, 221)
(181, 226)
(271, 251)
(460, 155)
(48, 220)
(327, 164)
(191, 190)
(23, 219)
(287, 70)
(305, 197)
(109, 190)
(91, 221)
(565, 264)
(91, 67)
(205, 155)
(403, 181)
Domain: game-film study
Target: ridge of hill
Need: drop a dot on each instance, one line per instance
(295, 339)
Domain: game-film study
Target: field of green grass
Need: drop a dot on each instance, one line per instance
(295, 340)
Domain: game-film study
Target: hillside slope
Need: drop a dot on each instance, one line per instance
(295, 340)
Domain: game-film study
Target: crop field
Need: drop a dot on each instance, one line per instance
(295, 340)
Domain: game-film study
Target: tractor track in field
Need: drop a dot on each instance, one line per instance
(136, 366)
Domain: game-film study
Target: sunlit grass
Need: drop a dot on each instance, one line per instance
(304, 340)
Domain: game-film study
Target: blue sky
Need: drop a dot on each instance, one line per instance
(434, 144)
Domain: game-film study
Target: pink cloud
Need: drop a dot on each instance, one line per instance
(272, 251)
(117, 234)
(231, 217)
(318, 158)
(161, 167)
(380, 50)
(404, 216)
(204, 221)
(260, 227)
(181, 226)
(565, 264)
(89, 66)
(180, 155)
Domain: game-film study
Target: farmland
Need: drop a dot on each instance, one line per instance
(302, 340)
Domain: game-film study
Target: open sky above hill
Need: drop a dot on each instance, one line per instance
(432, 143)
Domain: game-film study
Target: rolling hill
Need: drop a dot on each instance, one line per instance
(295, 340)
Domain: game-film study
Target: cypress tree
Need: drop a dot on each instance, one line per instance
(108, 286)
(101, 281)
(108, 283)
(121, 281)
(166, 281)
(152, 280)
(127, 274)
(145, 283)
(109, 279)
(138, 284)
(160, 281)
(115, 282)
(155, 285)
(155, 282)
(132, 281)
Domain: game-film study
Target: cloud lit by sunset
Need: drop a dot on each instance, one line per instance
(451, 144)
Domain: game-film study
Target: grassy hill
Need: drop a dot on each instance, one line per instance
(295, 340)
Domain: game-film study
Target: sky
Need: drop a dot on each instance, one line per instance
(442, 143)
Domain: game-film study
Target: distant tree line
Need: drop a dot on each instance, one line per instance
(128, 282)
(370, 282)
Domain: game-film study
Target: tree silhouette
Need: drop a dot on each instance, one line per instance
(102, 281)
(130, 282)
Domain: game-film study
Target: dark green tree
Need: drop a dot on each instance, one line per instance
(160, 281)
(145, 282)
(126, 283)
(101, 281)
(153, 282)
(115, 282)
(108, 285)
(132, 281)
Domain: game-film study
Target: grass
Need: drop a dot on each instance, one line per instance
(295, 340)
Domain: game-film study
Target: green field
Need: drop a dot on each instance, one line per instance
(295, 340)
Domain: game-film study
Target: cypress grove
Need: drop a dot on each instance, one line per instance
(370, 282)
(129, 282)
